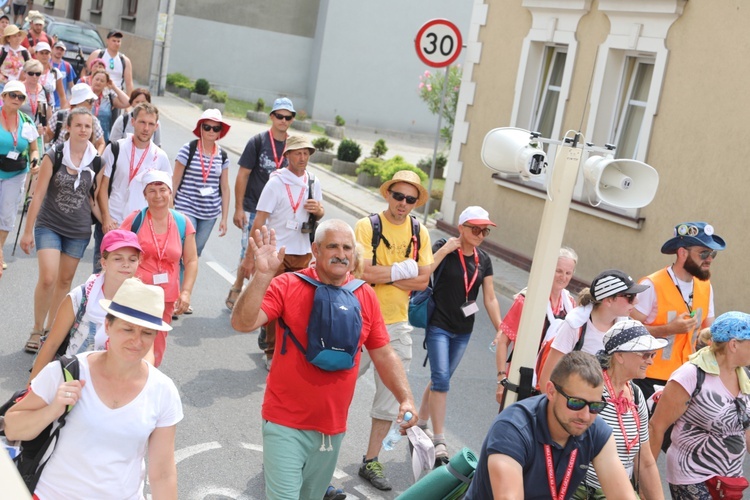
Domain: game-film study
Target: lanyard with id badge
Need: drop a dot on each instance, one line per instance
(293, 224)
(160, 277)
(206, 170)
(469, 307)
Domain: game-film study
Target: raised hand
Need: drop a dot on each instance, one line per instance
(266, 257)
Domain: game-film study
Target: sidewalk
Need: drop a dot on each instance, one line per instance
(347, 195)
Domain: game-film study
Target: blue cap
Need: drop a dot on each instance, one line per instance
(693, 234)
(283, 103)
(731, 325)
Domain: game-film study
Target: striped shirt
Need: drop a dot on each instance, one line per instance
(628, 419)
(188, 198)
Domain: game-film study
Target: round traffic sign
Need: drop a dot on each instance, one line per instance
(438, 43)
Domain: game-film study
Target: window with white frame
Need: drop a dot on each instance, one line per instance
(637, 76)
(550, 86)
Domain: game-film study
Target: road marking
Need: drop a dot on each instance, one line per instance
(367, 494)
(188, 452)
(204, 492)
(221, 271)
(253, 447)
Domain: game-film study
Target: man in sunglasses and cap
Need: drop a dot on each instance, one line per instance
(680, 300)
(540, 447)
(398, 259)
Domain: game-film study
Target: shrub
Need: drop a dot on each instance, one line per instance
(379, 149)
(340, 122)
(426, 163)
(260, 105)
(184, 85)
(301, 115)
(323, 144)
(370, 166)
(218, 95)
(349, 150)
(393, 165)
(177, 78)
(202, 86)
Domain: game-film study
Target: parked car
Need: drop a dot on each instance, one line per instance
(80, 38)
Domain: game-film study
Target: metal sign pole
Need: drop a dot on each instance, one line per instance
(437, 141)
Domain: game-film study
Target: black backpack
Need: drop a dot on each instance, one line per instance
(31, 459)
(192, 148)
(377, 235)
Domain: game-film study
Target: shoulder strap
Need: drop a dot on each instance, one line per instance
(25, 118)
(58, 125)
(223, 156)
(57, 162)
(377, 232)
(310, 182)
(181, 224)
(415, 232)
(191, 154)
(3, 55)
(700, 377)
(310, 280)
(125, 119)
(138, 220)
(258, 141)
(581, 335)
(26, 55)
(115, 148)
(353, 285)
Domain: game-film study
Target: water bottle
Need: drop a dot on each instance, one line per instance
(394, 436)
(493, 346)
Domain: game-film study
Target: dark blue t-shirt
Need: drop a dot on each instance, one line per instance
(520, 431)
(261, 162)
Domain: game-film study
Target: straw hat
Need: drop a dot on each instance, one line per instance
(410, 178)
(11, 30)
(138, 303)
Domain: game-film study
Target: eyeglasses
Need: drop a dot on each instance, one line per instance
(741, 407)
(33, 73)
(410, 200)
(577, 404)
(14, 95)
(283, 117)
(629, 296)
(90, 101)
(705, 254)
(208, 128)
(645, 355)
(476, 231)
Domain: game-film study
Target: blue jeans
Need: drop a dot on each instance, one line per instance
(444, 350)
(45, 239)
(246, 232)
(203, 228)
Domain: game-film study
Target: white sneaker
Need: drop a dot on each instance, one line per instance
(268, 364)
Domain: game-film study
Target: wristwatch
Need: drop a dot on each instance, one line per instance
(504, 382)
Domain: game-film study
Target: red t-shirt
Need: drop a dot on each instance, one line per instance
(298, 394)
(44, 37)
(170, 262)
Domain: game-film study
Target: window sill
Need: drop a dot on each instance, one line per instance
(95, 11)
(631, 222)
(127, 18)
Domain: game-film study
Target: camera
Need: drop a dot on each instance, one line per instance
(308, 227)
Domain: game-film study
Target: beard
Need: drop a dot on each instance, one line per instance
(568, 427)
(692, 267)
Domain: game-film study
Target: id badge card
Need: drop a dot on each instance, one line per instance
(206, 191)
(161, 278)
(12, 155)
(469, 308)
(293, 225)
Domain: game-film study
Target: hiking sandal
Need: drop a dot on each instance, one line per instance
(234, 294)
(34, 343)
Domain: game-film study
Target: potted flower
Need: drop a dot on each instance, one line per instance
(218, 100)
(323, 151)
(337, 130)
(346, 157)
(301, 122)
(259, 115)
(368, 172)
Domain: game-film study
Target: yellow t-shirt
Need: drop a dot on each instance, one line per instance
(394, 302)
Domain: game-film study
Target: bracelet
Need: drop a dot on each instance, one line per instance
(502, 372)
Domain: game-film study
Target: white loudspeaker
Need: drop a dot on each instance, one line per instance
(513, 151)
(621, 183)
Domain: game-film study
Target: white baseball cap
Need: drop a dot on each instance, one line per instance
(40, 46)
(475, 215)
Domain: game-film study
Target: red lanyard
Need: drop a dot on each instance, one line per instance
(43, 79)
(277, 159)
(205, 171)
(619, 410)
(160, 252)
(551, 473)
(299, 199)
(13, 131)
(134, 171)
(467, 284)
(97, 105)
(34, 103)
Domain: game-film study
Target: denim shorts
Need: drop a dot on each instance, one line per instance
(47, 239)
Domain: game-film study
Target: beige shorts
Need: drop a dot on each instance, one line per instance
(384, 404)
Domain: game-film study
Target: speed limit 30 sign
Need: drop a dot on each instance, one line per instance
(438, 43)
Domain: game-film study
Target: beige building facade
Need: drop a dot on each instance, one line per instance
(663, 80)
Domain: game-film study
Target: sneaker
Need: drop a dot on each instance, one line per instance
(373, 472)
(262, 344)
(333, 493)
(268, 364)
(441, 454)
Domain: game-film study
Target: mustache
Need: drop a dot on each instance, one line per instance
(336, 260)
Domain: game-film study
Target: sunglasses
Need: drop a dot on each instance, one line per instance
(410, 200)
(208, 128)
(14, 95)
(476, 231)
(629, 296)
(705, 254)
(577, 404)
(645, 355)
(111, 64)
(33, 73)
(283, 117)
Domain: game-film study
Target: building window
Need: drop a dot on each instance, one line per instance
(96, 5)
(550, 87)
(632, 109)
(132, 7)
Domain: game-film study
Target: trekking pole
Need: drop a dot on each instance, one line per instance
(23, 212)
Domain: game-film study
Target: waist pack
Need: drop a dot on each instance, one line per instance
(334, 327)
(35, 453)
(726, 488)
(8, 165)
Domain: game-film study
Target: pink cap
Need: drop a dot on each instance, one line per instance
(475, 215)
(119, 238)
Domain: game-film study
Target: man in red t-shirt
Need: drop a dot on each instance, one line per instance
(304, 407)
(36, 32)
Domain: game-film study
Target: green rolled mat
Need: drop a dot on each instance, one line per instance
(440, 483)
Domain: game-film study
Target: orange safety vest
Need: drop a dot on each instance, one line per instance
(670, 304)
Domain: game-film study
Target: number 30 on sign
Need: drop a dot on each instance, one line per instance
(438, 43)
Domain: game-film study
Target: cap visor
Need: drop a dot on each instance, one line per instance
(636, 288)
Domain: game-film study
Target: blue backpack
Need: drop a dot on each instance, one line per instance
(334, 328)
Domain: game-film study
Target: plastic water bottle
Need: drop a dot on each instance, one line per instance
(493, 346)
(394, 436)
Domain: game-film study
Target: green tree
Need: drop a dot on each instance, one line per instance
(430, 91)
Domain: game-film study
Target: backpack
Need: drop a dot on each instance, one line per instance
(35, 453)
(178, 217)
(377, 235)
(76, 323)
(547, 346)
(192, 148)
(122, 61)
(4, 53)
(334, 327)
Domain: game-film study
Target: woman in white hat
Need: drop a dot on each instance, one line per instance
(12, 54)
(51, 79)
(18, 151)
(124, 123)
(201, 180)
(460, 268)
(167, 237)
(59, 220)
(39, 101)
(135, 407)
(628, 350)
